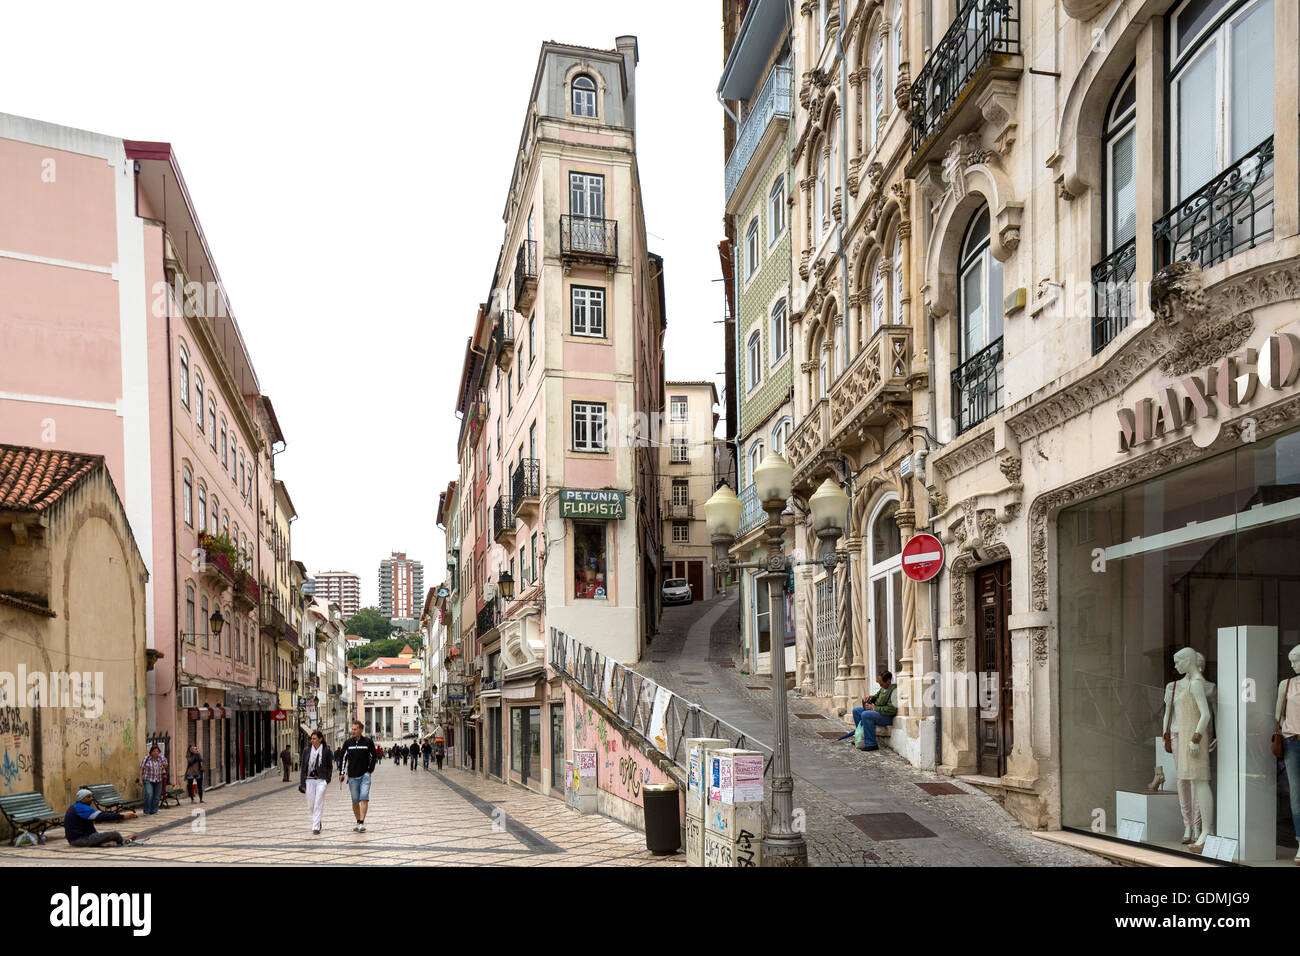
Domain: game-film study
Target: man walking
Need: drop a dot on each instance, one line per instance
(359, 761)
(415, 758)
(427, 751)
(439, 752)
(286, 757)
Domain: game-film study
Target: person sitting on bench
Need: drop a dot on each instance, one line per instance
(79, 823)
(877, 710)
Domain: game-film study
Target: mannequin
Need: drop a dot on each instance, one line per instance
(1288, 701)
(1187, 802)
(1191, 722)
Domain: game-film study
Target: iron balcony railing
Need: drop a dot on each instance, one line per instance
(503, 332)
(1231, 213)
(585, 236)
(632, 697)
(751, 510)
(527, 482)
(487, 618)
(503, 517)
(678, 509)
(1112, 294)
(526, 263)
(773, 102)
(981, 30)
(977, 387)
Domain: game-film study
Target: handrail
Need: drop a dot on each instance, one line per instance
(774, 101)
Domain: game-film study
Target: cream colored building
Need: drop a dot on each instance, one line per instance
(688, 476)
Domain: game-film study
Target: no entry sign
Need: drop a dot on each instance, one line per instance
(922, 557)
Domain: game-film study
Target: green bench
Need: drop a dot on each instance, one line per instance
(106, 797)
(29, 813)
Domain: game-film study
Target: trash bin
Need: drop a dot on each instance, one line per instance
(663, 826)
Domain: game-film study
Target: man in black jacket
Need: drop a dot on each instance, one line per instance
(79, 823)
(357, 766)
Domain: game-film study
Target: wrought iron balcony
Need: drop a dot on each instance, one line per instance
(583, 237)
(526, 487)
(678, 509)
(487, 618)
(1231, 213)
(503, 337)
(1112, 294)
(273, 621)
(773, 103)
(982, 31)
(977, 387)
(503, 519)
(526, 275)
(752, 514)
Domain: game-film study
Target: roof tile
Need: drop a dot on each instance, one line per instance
(33, 479)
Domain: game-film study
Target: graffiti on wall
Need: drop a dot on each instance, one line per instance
(622, 770)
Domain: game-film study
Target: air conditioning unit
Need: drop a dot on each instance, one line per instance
(189, 697)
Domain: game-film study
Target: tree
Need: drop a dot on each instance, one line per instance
(363, 656)
(370, 624)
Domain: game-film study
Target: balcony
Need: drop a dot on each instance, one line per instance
(752, 514)
(503, 520)
(487, 618)
(216, 563)
(273, 621)
(977, 50)
(587, 238)
(526, 275)
(857, 409)
(503, 338)
(977, 387)
(1112, 294)
(526, 488)
(1231, 213)
(678, 510)
(769, 115)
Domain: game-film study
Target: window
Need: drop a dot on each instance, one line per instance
(216, 526)
(680, 451)
(755, 359)
(588, 426)
(532, 570)
(885, 588)
(898, 41)
(877, 90)
(587, 311)
(589, 581)
(681, 492)
(198, 400)
(877, 298)
(203, 508)
(821, 208)
(586, 196)
(781, 434)
(780, 331)
(755, 458)
(980, 290)
(203, 613)
(189, 613)
(225, 462)
(234, 454)
(776, 210)
(823, 365)
(678, 404)
(188, 504)
(185, 375)
(1121, 163)
(898, 281)
(751, 248)
(212, 421)
(584, 96)
(532, 352)
(681, 532)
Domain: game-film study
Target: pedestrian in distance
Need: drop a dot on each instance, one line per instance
(359, 760)
(79, 823)
(152, 778)
(194, 772)
(415, 760)
(286, 758)
(426, 751)
(439, 752)
(315, 769)
(379, 753)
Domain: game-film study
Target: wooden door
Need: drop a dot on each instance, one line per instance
(695, 578)
(993, 663)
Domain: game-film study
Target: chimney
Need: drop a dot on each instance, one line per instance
(627, 47)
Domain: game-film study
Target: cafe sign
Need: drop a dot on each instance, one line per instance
(1232, 383)
(602, 505)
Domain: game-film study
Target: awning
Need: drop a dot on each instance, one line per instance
(305, 729)
(763, 24)
(519, 690)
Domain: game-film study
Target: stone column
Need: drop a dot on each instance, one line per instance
(857, 685)
(906, 520)
(1029, 655)
(845, 623)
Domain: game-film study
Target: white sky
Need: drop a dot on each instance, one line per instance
(349, 164)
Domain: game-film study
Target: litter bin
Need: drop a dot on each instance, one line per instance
(663, 826)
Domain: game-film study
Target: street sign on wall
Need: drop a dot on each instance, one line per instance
(922, 557)
(602, 505)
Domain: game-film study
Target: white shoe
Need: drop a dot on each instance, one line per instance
(356, 828)
(361, 828)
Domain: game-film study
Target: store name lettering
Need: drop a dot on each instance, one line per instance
(1230, 384)
(576, 503)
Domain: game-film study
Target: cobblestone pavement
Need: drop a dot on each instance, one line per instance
(833, 780)
(415, 819)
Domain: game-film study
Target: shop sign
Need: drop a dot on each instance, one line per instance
(1231, 383)
(603, 505)
(278, 715)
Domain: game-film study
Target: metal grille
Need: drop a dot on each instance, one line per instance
(826, 642)
(1112, 285)
(589, 236)
(977, 387)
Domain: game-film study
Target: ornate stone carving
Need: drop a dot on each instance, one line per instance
(1010, 467)
(964, 457)
(903, 88)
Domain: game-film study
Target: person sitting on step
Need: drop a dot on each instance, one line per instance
(877, 710)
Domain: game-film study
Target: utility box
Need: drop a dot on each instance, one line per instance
(734, 808)
(694, 840)
(584, 781)
(719, 851)
(697, 763)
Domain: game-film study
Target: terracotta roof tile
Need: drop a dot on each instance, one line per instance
(32, 479)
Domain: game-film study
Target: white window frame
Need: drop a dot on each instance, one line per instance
(781, 434)
(587, 301)
(756, 451)
(980, 258)
(585, 107)
(679, 408)
(877, 570)
(898, 281)
(754, 353)
(877, 297)
(779, 332)
(185, 375)
(679, 451)
(187, 477)
(751, 248)
(199, 399)
(681, 532)
(591, 417)
(776, 210)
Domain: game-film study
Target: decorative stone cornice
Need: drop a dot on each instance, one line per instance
(965, 456)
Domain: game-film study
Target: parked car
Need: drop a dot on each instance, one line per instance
(677, 591)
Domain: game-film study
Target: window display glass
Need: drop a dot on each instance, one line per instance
(589, 575)
(1179, 615)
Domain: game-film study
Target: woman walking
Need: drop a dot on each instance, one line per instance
(194, 772)
(316, 767)
(153, 778)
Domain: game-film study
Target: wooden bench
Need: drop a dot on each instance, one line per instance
(29, 813)
(106, 797)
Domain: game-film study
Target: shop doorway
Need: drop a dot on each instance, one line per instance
(993, 663)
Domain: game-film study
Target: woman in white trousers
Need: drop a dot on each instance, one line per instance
(316, 768)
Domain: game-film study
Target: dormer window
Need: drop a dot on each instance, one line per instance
(584, 96)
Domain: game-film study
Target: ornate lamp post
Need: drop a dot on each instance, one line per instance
(782, 845)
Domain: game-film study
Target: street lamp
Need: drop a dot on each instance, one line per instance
(215, 622)
(782, 846)
(506, 585)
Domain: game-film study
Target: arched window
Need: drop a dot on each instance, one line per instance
(755, 457)
(203, 622)
(977, 382)
(776, 209)
(185, 375)
(879, 97)
(781, 434)
(877, 297)
(187, 501)
(212, 421)
(584, 95)
(885, 587)
(823, 365)
(751, 248)
(1121, 161)
(203, 508)
(755, 358)
(821, 208)
(216, 524)
(224, 462)
(198, 396)
(780, 335)
(189, 613)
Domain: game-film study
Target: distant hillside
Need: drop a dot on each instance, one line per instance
(364, 655)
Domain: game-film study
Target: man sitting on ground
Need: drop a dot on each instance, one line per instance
(79, 823)
(877, 710)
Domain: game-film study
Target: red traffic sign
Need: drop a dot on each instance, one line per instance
(922, 557)
(278, 715)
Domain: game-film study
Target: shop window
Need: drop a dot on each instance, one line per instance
(589, 561)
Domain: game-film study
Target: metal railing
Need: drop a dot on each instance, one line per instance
(981, 29)
(751, 510)
(1231, 213)
(977, 387)
(678, 509)
(1112, 294)
(632, 697)
(487, 618)
(774, 101)
(503, 332)
(586, 236)
(527, 482)
(526, 263)
(503, 517)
